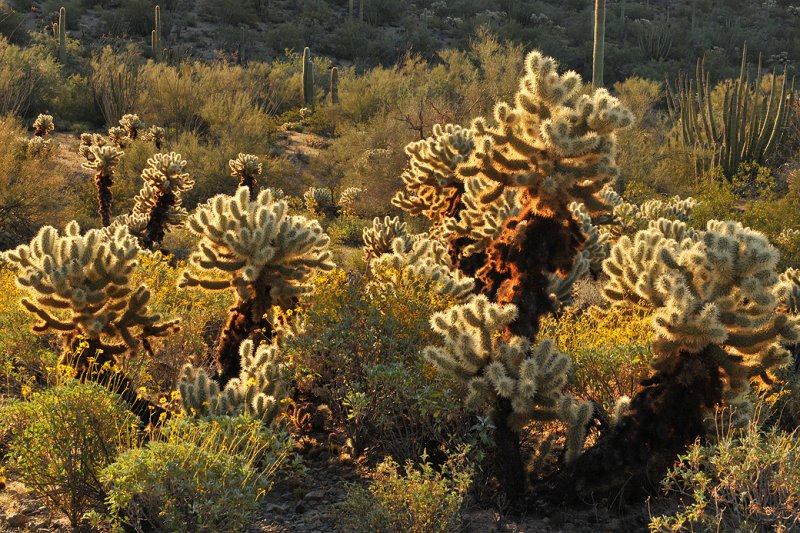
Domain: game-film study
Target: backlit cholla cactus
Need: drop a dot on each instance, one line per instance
(713, 300)
(561, 286)
(43, 125)
(320, 202)
(264, 254)
(37, 147)
(88, 140)
(527, 382)
(132, 125)
(432, 186)
(103, 160)
(673, 209)
(788, 291)
(80, 286)
(161, 197)
(118, 136)
(257, 392)
(157, 135)
(415, 261)
(596, 246)
(347, 200)
(379, 237)
(247, 169)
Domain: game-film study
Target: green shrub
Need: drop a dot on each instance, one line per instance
(61, 440)
(346, 230)
(420, 500)
(745, 482)
(205, 475)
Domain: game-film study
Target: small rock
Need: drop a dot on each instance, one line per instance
(315, 496)
(276, 508)
(17, 520)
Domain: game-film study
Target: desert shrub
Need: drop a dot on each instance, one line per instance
(610, 350)
(29, 79)
(417, 499)
(116, 82)
(346, 230)
(748, 481)
(62, 439)
(203, 475)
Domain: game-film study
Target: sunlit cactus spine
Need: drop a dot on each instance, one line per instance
(334, 88)
(132, 125)
(247, 169)
(79, 285)
(308, 80)
(118, 136)
(257, 392)
(379, 237)
(161, 197)
(264, 254)
(43, 125)
(104, 159)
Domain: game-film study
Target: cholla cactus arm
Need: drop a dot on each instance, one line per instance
(118, 136)
(257, 392)
(673, 209)
(432, 186)
(132, 125)
(517, 383)
(156, 135)
(262, 252)
(320, 201)
(379, 237)
(347, 200)
(165, 181)
(596, 247)
(561, 286)
(103, 160)
(79, 285)
(88, 140)
(788, 290)
(422, 260)
(43, 125)
(247, 169)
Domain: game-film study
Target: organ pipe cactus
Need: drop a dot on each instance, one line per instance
(716, 328)
(104, 159)
(257, 391)
(266, 256)
(247, 169)
(43, 125)
(79, 285)
(751, 126)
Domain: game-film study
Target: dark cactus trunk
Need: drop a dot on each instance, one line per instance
(249, 181)
(154, 232)
(103, 183)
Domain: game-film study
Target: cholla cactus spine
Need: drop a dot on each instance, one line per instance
(247, 169)
(267, 255)
(103, 161)
(379, 237)
(347, 200)
(43, 125)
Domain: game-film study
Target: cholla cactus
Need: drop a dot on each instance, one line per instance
(156, 135)
(517, 382)
(160, 199)
(267, 256)
(379, 237)
(87, 141)
(257, 392)
(118, 136)
(561, 286)
(412, 261)
(347, 200)
(673, 209)
(37, 147)
(716, 328)
(103, 161)
(132, 125)
(43, 125)
(80, 285)
(433, 188)
(247, 169)
(788, 291)
(320, 201)
(596, 246)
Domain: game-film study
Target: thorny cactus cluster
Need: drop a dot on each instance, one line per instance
(247, 169)
(531, 378)
(266, 255)
(132, 125)
(320, 201)
(103, 160)
(43, 125)
(379, 237)
(80, 286)
(257, 392)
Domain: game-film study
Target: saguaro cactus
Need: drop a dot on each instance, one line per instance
(247, 169)
(103, 161)
(155, 36)
(61, 32)
(308, 79)
(267, 255)
(598, 52)
(80, 286)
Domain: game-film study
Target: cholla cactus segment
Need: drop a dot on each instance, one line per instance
(597, 245)
(788, 290)
(673, 209)
(554, 141)
(155, 134)
(87, 141)
(531, 378)
(132, 125)
(561, 286)
(319, 201)
(80, 284)
(478, 221)
(103, 159)
(118, 136)
(160, 199)
(257, 242)
(413, 261)
(347, 200)
(257, 392)
(609, 196)
(432, 186)
(715, 288)
(247, 169)
(379, 237)
(167, 173)
(37, 147)
(43, 125)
